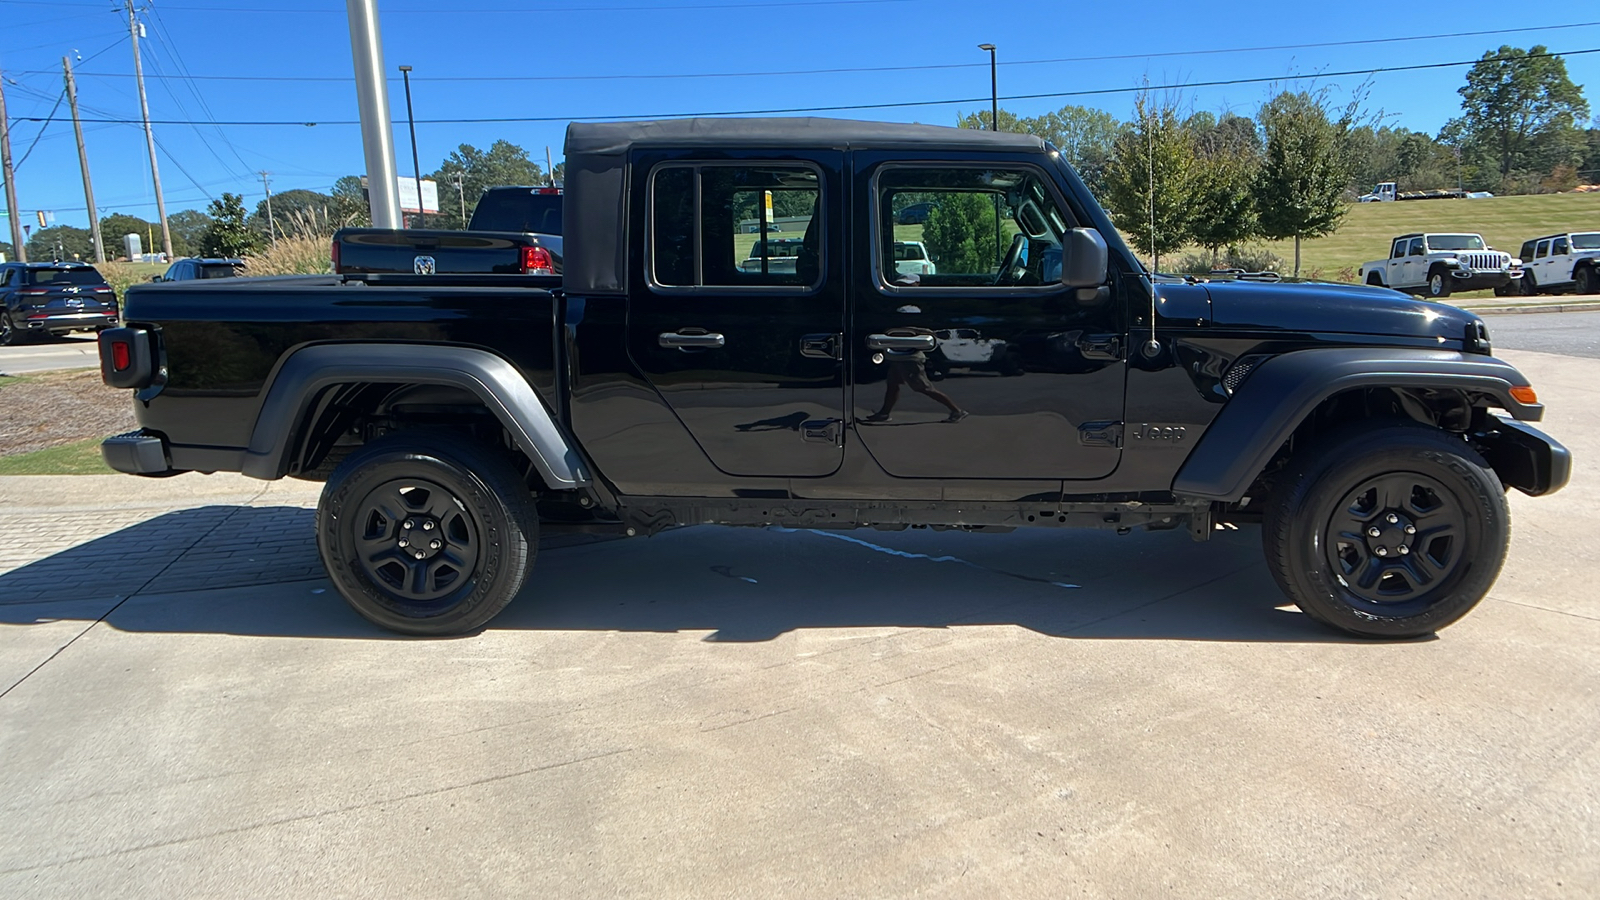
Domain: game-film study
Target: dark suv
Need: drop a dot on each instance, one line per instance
(190, 269)
(53, 298)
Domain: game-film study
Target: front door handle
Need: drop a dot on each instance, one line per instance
(691, 339)
(900, 342)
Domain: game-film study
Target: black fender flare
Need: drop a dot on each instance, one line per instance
(492, 379)
(1281, 392)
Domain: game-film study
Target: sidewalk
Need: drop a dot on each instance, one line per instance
(1552, 304)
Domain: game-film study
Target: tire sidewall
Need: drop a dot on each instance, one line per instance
(1314, 584)
(503, 556)
(1438, 284)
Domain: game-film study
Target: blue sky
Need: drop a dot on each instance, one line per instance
(289, 60)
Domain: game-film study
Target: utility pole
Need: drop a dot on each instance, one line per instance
(377, 138)
(266, 185)
(461, 197)
(549, 167)
(83, 163)
(18, 244)
(149, 135)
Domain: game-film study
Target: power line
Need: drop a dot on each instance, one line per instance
(501, 11)
(907, 104)
(870, 69)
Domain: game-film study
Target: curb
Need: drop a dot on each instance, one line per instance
(1506, 308)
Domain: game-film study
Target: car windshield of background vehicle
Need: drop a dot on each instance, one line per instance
(978, 228)
(740, 207)
(64, 276)
(1588, 241)
(518, 210)
(227, 271)
(1455, 242)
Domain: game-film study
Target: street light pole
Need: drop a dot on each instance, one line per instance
(416, 167)
(366, 52)
(994, 90)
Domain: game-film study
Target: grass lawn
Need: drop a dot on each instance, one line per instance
(78, 458)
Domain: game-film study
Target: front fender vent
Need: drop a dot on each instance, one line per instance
(1240, 370)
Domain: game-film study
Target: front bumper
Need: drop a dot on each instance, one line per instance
(62, 322)
(1480, 280)
(1525, 457)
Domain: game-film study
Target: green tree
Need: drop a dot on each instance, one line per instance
(229, 235)
(62, 242)
(297, 211)
(1224, 201)
(1300, 188)
(479, 170)
(1520, 112)
(350, 206)
(959, 232)
(1150, 180)
(1083, 135)
(187, 228)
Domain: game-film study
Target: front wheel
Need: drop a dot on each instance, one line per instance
(427, 534)
(1584, 281)
(1389, 531)
(1438, 285)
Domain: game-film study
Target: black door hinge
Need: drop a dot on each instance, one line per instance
(1100, 434)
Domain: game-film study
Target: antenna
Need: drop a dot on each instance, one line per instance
(1152, 346)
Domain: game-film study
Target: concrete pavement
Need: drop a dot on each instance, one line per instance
(722, 713)
(72, 352)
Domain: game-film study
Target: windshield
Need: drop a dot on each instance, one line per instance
(1455, 242)
(65, 276)
(228, 270)
(1590, 241)
(908, 251)
(517, 209)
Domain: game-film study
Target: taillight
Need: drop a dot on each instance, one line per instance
(33, 292)
(547, 190)
(121, 356)
(336, 268)
(537, 261)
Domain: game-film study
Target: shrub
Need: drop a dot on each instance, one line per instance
(297, 255)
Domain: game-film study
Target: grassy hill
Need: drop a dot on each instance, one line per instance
(1505, 222)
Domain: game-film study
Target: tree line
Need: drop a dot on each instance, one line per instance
(1172, 179)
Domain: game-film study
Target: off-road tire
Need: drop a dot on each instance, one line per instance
(447, 489)
(1584, 281)
(1438, 286)
(1429, 480)
(1530, 285)
(1375, 280)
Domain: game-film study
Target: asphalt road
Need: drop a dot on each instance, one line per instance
(762, 712)
(71, 352)
(1570, 334)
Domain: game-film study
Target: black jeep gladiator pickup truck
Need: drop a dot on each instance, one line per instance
(661, 381)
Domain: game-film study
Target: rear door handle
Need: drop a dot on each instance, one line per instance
(900, 342)
(691, 339)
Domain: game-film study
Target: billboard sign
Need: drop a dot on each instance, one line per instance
(408, 195)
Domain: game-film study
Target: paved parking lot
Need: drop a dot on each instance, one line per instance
(189, 709)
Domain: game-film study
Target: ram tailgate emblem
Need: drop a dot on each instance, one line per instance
(423, 265)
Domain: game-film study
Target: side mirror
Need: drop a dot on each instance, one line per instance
(1084, 261)
(155, 277)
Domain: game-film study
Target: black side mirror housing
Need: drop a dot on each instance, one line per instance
(1084, 259)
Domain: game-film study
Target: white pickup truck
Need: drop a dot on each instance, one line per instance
(1435, 265)
(1561, 262)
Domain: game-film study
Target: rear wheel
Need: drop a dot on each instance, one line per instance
(1388, 531)
(1375, 280)
(9, 336)
(427, 534)
(1530, 285)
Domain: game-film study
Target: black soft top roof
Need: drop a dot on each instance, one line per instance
(597, 157)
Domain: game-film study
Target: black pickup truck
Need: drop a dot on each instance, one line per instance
(661, 382)
(515, 230)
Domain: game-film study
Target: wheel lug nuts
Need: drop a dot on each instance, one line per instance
(404, 542)
(1411, 529)
(1374, 531)
(427, 526)
(419, 554)
(411, 523)
(434, 545)
(1392, 519)
(1403, 550)
(1382, 551)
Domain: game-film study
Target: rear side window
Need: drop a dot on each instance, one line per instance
(64, 276)
(718, 225)
(517, 209)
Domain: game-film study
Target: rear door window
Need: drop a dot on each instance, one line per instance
(716, 225)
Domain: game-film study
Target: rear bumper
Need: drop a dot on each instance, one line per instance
(1525, 457)
(136, 453)
(78, 321)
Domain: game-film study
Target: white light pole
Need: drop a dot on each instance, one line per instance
(372, 99)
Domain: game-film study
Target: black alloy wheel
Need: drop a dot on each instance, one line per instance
(427, 534)
(1530, 285)
(1387, 530)
(1374, 280)
(9, 336)
(1584, 281)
